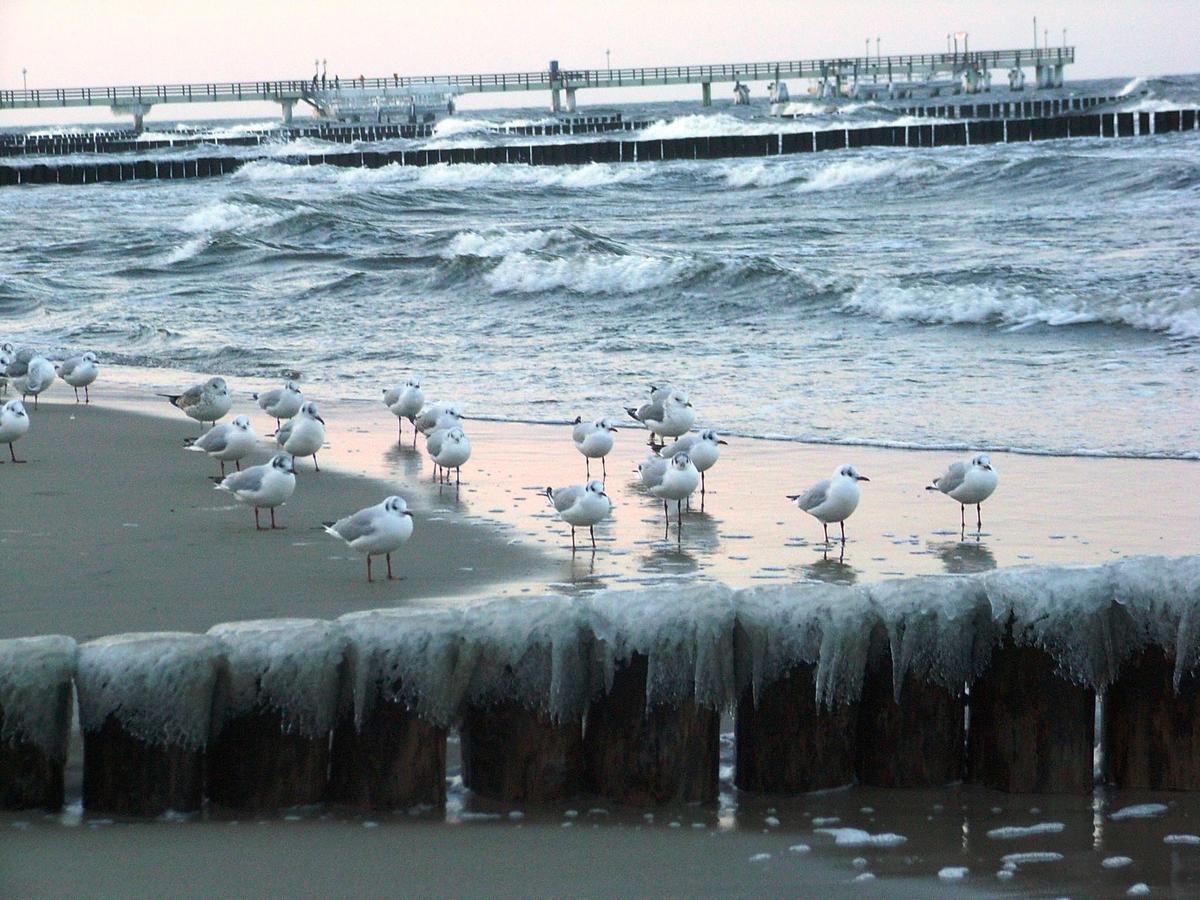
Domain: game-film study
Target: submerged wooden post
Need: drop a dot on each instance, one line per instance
(35, 719)
(522, 722)
(274, 713)
(789, 742)
(145, 704)
(641, 754)
(403, 692)
(1152, 738)
(1031, 731)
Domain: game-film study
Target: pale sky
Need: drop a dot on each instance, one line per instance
(77, 43)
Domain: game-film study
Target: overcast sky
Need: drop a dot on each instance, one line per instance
(66, 43)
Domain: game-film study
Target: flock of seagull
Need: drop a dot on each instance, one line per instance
(671, 472)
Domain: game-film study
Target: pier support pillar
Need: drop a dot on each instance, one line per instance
(555, 100)
(136, 109)
(287, 106)
(706, 93)
(570, 99)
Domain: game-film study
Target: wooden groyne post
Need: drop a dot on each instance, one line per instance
(36, 703)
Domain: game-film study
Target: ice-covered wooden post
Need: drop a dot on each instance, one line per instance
(662, 671)
(801, 651)
(522, 721)
(145, 705)
(1152, 738)
(1032, 722)
(35, 720)
(274, 712)
(389, 746)
(937, 636)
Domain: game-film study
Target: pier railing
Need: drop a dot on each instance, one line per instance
(276, 90)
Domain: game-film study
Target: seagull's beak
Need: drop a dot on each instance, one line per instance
(407, 513)
(989, 468)
(613, 428)
(724, 443)
(688, 405)
(862, 478)
(319, 419)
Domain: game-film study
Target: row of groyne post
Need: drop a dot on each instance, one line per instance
(130, 141)
(996, 679)
(945, 134)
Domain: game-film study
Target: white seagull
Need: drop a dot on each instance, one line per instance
(305, 434)
(832, 500)
(405, 402)
(80, 372)
(581, 506)
(375, 531)
(18, 360)
(38, 376)
(704, 449)
(678, 483)
(263, 487)
(437, 416)
(231, 442)
(281, 402)
(6, 357)
(594, 440)
(969, 482)
(671, 416)
(14, 423)
(205, 402)
(451, 451)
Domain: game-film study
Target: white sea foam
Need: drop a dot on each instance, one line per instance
(1140, 811)
(497, 242)
(1012, 832)
(856, 172)
(1116, 862)
(1184, 839)
(953, 873)
(856, 837)
(1141, 889)
(747, 174)
(522, 273)
(1024, 859)
(454, 126)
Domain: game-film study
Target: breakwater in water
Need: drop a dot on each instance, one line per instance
(996, 678)
(968, 133)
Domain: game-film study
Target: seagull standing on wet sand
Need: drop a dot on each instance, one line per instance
(704, 449)
(594, 440)
(39, 375)
(231, 442)
(205, 402)
(832, 500)
(670, 416)
(678, 483)
(378, 530)
(14, 423)
(263, 487)
(450, 449)
(80, 372)
(281, 402)
(405, 402)
(581, 506)
(305, 434)
(969, 482)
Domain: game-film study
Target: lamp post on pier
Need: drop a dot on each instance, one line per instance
(24, 80)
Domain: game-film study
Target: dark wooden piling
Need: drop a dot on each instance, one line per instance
(646, 756)
(1152, 733)
(517, 755)
(1031, 731)
(30, 778)
(126, 776)
(789, 743)
(255, 763)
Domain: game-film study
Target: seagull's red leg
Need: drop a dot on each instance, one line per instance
(257, 527)
(389, 564)
(368, 568)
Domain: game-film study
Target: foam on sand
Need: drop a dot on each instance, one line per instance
(856, 837)
(1023, 859)
(158, 685)
(289, 666)
(953, 873)
(1140, 811)
(1011, 832)
(33, 705)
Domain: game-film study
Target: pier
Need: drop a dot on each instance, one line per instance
(966, 71)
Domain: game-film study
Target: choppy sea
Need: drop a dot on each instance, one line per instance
(1041, 297)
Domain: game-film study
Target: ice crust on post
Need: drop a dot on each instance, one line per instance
(1067, 611)
(158, 685)
(685, 633)
(32, 672)
(939, 629)
(1161, 595)
(289, 666)
(827, 626)
(533, 651)
(409, 656)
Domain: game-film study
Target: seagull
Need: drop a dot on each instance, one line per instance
(18, 362)
(38, 376)
(437, 416)
(6, 357)
(406, 402)
(704, 449)
(832, 500)
(452, 451)
(263, 487)
(281, 402)
(969, 482)
(14, 423)
(678, 483)
(669, 417)
(581, 506)
(205, 402)
(651, 470)
(231, 442)
(379, 529)
(305, 434)
(594, 440)
(79, 372)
